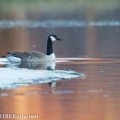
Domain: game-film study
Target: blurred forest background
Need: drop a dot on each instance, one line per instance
(21, 7)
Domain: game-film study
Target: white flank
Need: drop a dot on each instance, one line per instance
(51, 56)
(13, 59)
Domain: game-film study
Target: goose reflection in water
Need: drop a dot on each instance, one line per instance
(49, 65)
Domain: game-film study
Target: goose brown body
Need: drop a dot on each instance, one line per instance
(30, 56)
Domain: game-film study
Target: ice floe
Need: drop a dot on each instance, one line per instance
(14, 77)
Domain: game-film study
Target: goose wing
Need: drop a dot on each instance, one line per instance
(28, 54)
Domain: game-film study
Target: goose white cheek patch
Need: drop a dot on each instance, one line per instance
(52, 38)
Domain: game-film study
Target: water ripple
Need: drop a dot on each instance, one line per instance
(55, 23)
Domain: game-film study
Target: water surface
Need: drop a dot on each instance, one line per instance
(78, 98)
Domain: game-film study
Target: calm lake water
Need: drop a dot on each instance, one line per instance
(91, 45)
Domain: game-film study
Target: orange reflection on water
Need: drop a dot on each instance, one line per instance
(86, 102)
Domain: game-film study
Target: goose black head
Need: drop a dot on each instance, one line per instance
(54, 38)
(50, 41)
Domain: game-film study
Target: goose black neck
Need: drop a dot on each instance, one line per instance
(49, 47)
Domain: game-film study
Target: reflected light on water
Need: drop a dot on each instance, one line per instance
(83, 105)
(90, 98)
(87, 60)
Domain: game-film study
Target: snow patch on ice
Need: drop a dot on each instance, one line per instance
(13, 77)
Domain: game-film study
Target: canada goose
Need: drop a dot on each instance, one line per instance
(35, 56)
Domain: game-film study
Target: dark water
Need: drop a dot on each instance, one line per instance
(91, 39)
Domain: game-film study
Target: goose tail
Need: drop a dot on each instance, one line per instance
(13, 59)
